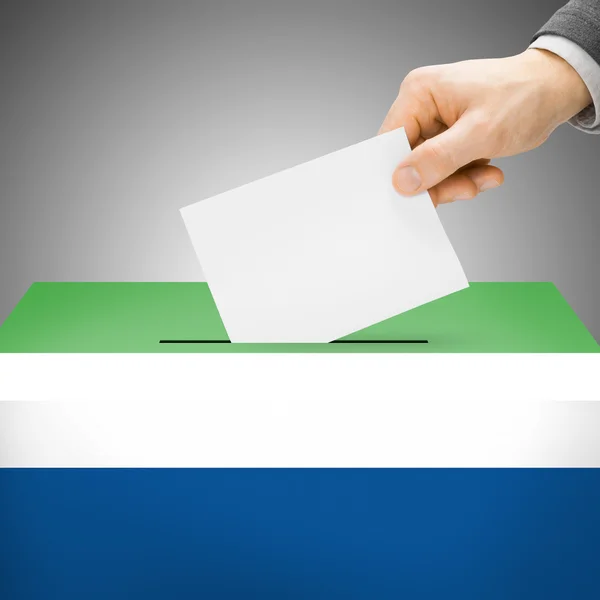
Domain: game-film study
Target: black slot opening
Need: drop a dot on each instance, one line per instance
(333, 342)
(194, 342)
(379, 342)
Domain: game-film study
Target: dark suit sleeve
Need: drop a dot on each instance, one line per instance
(578, 21)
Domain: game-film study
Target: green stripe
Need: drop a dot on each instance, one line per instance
(134, 317)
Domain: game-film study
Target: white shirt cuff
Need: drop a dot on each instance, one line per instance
(588, 119)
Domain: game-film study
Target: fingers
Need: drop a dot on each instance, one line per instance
(401, 115)
(414, 108)
(466, 184)
(446, 154)
(393, 119)
(437, 158)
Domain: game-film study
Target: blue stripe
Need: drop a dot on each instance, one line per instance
(376, 534)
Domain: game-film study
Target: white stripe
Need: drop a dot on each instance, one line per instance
(313, 410)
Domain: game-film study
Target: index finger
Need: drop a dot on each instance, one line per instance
(406, 112)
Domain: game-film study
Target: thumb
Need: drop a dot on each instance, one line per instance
(438, 158)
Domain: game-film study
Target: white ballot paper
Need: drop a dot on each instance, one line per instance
(321, 250)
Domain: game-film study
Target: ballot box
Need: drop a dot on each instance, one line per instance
(296, 470)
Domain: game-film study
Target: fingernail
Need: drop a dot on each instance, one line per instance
(407, 179)
(488, 185)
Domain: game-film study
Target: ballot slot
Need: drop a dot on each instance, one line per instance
(379, 342)
(194, 342)
(332, 342)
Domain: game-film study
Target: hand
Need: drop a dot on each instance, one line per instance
(459, 116)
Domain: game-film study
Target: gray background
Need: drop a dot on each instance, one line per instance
(113, 115)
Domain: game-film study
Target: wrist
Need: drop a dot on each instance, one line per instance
(560, 81)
